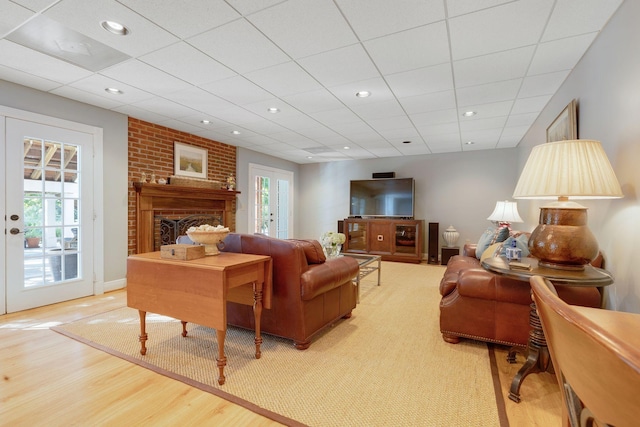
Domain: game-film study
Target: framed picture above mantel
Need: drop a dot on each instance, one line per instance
(565, 126)
(189, 161)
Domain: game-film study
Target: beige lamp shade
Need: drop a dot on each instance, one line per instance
(563, 170)
(576, 169)
(505, 211)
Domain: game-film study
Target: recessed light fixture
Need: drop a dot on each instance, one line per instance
(115, 28)
(235, 132)
(469, 143)
(273, 110)
(113, 91)
(363, 94)
(205, 122)
(406, 142)
(469, 113)
(346, 147)
(309, 157)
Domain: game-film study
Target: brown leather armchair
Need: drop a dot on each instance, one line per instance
(309, 292)
(481, 305)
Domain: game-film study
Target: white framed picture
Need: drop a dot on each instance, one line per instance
(189, 161)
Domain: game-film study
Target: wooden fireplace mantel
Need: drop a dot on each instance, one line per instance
(158, 197)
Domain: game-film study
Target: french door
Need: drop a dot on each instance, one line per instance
(49, 214)
(271, 201)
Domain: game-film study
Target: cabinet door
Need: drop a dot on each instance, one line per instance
(356, 236)
(381, 237)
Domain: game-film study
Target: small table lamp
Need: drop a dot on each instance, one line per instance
(505, 213)
(576, 169)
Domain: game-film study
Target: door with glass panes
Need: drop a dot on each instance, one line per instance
(271, 206)
(49, 214)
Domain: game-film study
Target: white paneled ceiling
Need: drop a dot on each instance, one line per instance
(424, 62)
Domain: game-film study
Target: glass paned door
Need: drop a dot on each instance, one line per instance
(49, 218)
(272, 193)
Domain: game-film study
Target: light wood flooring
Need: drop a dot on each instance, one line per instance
(48, 379)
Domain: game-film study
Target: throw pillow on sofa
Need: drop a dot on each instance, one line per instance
(489, 237)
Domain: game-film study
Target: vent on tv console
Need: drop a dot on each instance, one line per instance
(383, 175)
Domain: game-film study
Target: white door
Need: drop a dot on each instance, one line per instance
(49, 214)
(271, 201)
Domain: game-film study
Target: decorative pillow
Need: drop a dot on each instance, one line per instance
(489, 237)
(522, 243)
(492, 251)
(312, 250)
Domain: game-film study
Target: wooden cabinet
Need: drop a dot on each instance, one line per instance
(393, 239)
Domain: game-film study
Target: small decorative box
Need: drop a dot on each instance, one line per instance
(182, 252)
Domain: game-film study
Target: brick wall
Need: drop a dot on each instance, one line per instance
(151, 151)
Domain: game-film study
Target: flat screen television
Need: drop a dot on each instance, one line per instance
(389, 198)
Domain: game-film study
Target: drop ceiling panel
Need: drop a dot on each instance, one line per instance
(421, 81)
(178, 60)
(29, 80)
(97, 83)
(165, 107)
(284, 79)
(561, 54)
(504, 27)
(34, 5)
(429, 102)
(240, 46)
(145, 77)
(247, 7)
(313, 101)
(339, 66)
(238, 90)
(572, 17)
(462, 7)
(416, 48)
(87, 97)
(542, 84)
(488, 93)
(304, 27)
(530, 105)
(186, 20)
(494, 67)
(495, 109)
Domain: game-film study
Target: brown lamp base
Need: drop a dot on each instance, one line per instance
(562, 239)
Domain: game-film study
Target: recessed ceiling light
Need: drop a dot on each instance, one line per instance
(406, 142)
(363, 94)
(346, 147)
(205, 122)
(273, 110)
(469, 113)
(309, 157)
(113, 91)
(115, 28)
(469, 143)
(235, 132)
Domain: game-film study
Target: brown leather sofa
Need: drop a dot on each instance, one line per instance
(481, 305)
(309, 291)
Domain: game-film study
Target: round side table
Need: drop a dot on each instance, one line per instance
(538, 358)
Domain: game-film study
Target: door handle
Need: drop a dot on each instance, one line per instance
(15, 231)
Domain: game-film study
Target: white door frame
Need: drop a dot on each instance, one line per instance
(98, 192)
(256, 169)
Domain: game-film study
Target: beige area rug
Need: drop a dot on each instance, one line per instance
(385, 366)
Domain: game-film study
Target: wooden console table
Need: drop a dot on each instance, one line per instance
(197, 291)
(538, 357)
(156, 197)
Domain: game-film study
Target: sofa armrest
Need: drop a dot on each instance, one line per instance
(320, 278)
(469, 249)
(482, 284)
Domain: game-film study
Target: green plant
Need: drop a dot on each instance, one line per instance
(32, 232)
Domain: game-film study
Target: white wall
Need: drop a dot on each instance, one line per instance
(606, 85)
(114, 163)
(459, 189)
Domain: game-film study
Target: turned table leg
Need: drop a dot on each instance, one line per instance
(221, 359)
(143, 332)
(184, 328)
(257, 313)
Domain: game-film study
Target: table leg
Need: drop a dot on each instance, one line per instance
(257, 314)
(221, 359)
(143, 333)
(379, 265)
(184, 328)
(538, 358)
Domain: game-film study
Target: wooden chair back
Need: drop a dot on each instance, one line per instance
(596, 358)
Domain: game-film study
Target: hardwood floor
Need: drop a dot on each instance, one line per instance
(49, 379)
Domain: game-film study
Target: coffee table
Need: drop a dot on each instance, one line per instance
(368, 264)
(197, 291)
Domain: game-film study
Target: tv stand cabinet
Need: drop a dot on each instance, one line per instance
(392, 239)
